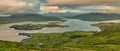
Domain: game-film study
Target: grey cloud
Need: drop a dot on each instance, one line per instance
(79, 2)
(19, 6)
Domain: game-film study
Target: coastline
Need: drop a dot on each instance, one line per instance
(8, 34)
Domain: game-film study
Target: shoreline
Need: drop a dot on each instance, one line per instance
(8, 34)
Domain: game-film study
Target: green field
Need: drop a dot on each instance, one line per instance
(14, 46)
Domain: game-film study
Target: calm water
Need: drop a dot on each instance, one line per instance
(74, 25)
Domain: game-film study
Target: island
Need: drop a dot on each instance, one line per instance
(37, 26)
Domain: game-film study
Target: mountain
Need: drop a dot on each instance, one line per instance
(58, 14)
(97, 16)
(27, 17)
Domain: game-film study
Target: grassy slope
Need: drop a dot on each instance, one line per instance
(54, 39)
(106, 40)
(57, 40)
(14, 46)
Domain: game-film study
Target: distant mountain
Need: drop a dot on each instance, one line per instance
(97, 16)
(58, 14)
(25, 15)
(14, 18)
(69, 15)
(49, 14)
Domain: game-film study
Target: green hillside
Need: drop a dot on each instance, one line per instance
(106, 40)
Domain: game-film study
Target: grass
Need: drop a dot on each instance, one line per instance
(56, 40)
(14, 46)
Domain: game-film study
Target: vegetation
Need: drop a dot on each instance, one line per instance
(108, 26)
(97, 16)
(27, 17)
(14, 46)
(38, 26)
(106, 40)
(57, 40)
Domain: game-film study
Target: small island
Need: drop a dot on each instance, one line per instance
(37, 26)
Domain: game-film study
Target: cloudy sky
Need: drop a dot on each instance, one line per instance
(18, 6)
(79, 2)
(33, 6)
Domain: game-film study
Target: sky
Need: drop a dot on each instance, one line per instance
(79, 2)
(34, 6)
(19, 6)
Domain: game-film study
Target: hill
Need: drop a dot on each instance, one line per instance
(97, 16)
(27, 17)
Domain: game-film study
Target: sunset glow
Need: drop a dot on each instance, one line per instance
(49, 8)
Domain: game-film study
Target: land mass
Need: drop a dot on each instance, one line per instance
(106, 40)
(14, 18)
(38, 26)
(15, 46)
(97, 16)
